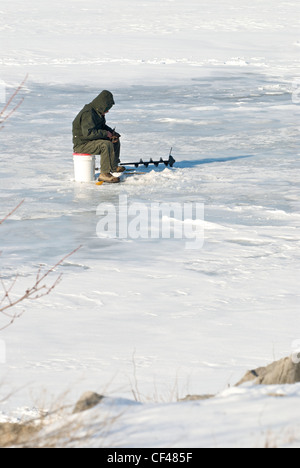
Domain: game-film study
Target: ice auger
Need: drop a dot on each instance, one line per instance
(170, 162)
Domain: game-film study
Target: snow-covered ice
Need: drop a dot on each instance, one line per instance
(218, 83)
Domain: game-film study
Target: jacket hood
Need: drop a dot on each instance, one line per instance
(104, 102)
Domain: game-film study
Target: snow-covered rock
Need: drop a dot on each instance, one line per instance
(280, 372)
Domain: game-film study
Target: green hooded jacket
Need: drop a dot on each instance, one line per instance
(90, 123)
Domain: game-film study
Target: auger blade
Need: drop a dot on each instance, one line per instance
(170, 162)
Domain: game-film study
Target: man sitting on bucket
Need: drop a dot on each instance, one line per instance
(92, 136)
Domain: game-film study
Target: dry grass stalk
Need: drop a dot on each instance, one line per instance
(60, 429)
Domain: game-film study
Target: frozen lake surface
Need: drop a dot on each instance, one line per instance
(236, 147)
(149, 312)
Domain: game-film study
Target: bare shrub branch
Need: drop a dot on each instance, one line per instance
(11, 213)
(5, 112)
(39, 289)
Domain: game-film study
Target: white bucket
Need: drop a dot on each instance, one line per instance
(84, 167)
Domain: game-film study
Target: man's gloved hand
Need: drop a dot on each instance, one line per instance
(114, 136)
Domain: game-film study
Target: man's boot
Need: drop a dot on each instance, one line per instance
(120, 169)
(108, 178)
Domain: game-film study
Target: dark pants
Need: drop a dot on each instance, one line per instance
(110, 153)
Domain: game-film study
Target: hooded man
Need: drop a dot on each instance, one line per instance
(91, 135)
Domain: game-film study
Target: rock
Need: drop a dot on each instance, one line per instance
(280, 372)
(87, 401)
(196, 397)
